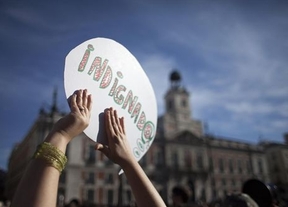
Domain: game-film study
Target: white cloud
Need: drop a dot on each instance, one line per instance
(250, 108)
(280, 124)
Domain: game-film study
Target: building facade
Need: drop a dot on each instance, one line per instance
(277, 158)
(182, 154)
(233, 163)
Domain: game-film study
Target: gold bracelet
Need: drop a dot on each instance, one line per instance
(51, 155)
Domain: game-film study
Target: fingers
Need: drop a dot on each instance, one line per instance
(106, 117)
(110, 118)
(89, 102)
(82, 100)
(79, 99)
(122, 125)
(107, 124)
(115, 121)
(113, 125)
(86, 101)
(73, 103)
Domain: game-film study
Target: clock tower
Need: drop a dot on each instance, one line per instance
(178, 115)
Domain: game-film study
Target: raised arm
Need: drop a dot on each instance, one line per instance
(39, 184)
(119, 151)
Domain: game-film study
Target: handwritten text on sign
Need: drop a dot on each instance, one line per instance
(103, 73)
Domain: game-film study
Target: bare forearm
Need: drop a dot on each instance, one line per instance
(119, 151)
(143, 190)
(38, 186)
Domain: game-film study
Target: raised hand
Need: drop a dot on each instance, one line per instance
(118, 149)
(41, 175)
(77, 120)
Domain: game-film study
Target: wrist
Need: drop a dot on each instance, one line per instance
(52, 155)
(58, 140)
(129, 163)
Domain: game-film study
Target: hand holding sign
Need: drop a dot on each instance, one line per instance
(118, 148)
(115, 79)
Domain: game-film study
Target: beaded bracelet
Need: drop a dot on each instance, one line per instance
(52, 155)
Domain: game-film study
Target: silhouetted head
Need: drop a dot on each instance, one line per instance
(258, 191)
(179, 196)
(74, 203)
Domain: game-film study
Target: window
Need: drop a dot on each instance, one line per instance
(248, 166)
(91, 178)
(109, 178)
(184, 103)
(239, 166)
(203, 195)
(214, 193)
(100, 176)
(231, 166)
(211, 166)
(175, 159)
(110, 197)
(91, 155)
(170, 104)
(260, 166)
(223, 182)
(90, 195)
(221, 165)
(199, 160)
(213, 182)
(233, 183)
(188, 160)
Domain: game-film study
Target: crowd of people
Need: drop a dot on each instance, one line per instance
(254, 194)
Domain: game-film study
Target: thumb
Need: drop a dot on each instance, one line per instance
(102, 148)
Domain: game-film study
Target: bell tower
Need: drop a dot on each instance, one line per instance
(177, 99)
(178, 116)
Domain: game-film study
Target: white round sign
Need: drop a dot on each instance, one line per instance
(115, 79)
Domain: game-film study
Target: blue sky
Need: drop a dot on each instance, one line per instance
(232, 56)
